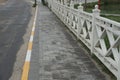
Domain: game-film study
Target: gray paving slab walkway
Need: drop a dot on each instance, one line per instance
(56, 54)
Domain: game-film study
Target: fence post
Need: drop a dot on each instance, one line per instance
(49, 3)
(80, 9)
(62, 2)
(65, 12)
(71, 4)
(70, 12)
(51, 6)
(96, 13)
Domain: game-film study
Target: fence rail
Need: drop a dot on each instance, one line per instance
(100, 35)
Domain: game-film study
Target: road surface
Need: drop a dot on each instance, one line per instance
(14, 18)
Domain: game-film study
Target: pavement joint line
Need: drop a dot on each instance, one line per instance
(26, 65)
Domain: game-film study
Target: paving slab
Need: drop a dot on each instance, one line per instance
(56, 53)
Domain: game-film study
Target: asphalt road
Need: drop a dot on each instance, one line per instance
(14, 18)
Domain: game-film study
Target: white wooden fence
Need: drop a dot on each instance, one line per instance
(100, 35)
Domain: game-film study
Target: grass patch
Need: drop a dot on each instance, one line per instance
(107, 43)
(106, 9)
(115, 18)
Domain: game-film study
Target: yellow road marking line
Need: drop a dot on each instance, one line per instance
(26, 66)
(32, 33)
(25, 71)
(30, 45)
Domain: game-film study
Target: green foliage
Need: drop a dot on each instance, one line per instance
(115, 18)
(76, 6)
(91, 5)
(107, 43)
(110, 8)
